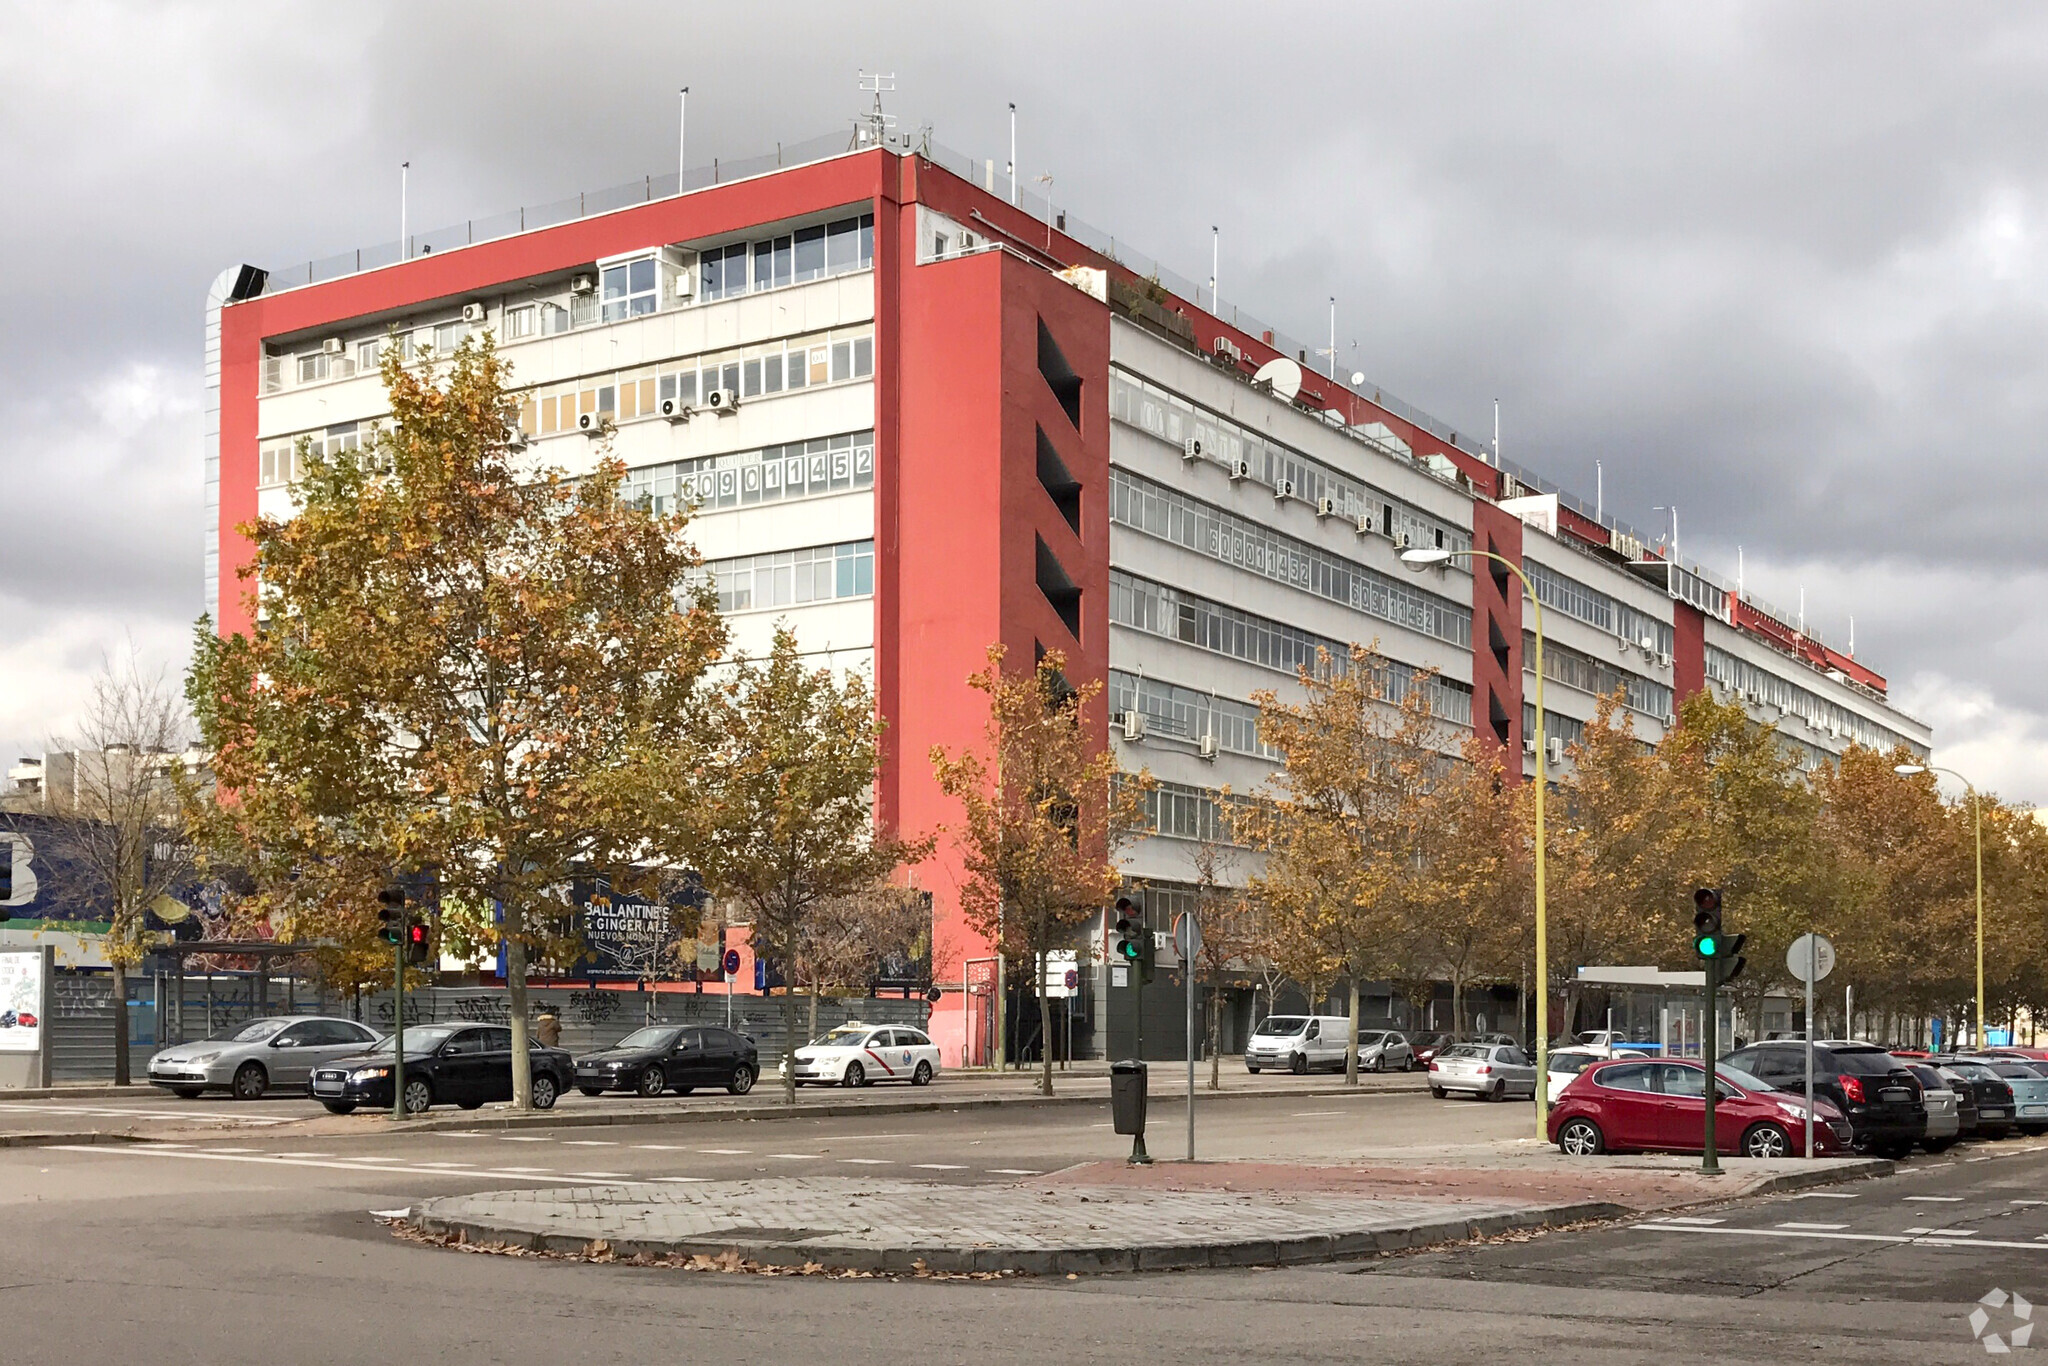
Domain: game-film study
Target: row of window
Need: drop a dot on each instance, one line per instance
(793, 258)
(1567, 595)
(801, 469)
(281, 462)
(788, 578)
(311, 367)
(799, 363)
(1562, 664)
(1173, 516)
(1170, 709)
(1178, 811)
(1569, 729)
(1162, 611)
(1173, 419)
(1755, 684)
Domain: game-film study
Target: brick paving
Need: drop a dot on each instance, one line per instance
(1038, 1226)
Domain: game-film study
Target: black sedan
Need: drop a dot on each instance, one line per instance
(677, 1058)
(1996, 1111)
(462, 1065)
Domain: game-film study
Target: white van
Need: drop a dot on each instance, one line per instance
(1298, 1043)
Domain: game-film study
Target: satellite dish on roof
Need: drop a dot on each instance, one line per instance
(1281, 375)
(1357, 378)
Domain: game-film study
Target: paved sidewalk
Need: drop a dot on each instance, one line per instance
(1039, 1227)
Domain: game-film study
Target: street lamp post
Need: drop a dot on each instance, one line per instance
(1418, 559)
(1976, 820)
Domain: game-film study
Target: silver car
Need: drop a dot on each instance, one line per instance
(1384, 1050)
(1944, 1108)
(1491, 1071)
(274, 1053)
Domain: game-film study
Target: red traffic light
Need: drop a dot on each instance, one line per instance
(416, 935)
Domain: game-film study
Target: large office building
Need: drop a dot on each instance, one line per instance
(915, 418)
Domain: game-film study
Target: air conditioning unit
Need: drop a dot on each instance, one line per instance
(675, 410)
(331, 347)
(1241, 469)
(683, 288)
(1227, 351)
(1326, 507)
(722, 401)
(516, 438)
(1528, 744)
(473, 313)
(1191, 449)
(583, 284)
(1366, 525)
(591, 424)
(1283, 489)
(1134, 724)
(1664, 660)
(1556, 746)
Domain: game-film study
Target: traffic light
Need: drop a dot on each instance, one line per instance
(391, 914)
(1130, 931)
(1732, 961)
(1706, 923)
(416, 943)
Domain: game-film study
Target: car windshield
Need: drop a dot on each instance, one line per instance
(1468, 1050)
(1748, 1081)
(420, 1040)
(1864, 1062)
(1371, 1036)
(1282, 1025)
(249, 1031)
(1929, 1078)
(1971, 1071)
(652, 1037)
(845, 1036)
(2014, 1070)
(1571, 1062)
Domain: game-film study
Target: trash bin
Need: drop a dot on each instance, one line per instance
(1127, 1095)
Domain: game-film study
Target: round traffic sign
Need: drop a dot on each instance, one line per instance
(1810, 954)
(732, 961)
(1073, 979)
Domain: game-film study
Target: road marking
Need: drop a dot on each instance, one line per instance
(1322, 1114)
(2030, 1202)
(1677, 1219)
(1820, 1226)
(1012, 1171)
(947, 1167)
(532, 1138)
(602, 1176)
(101, 1112)
(450, 1165)
(1937, 1199)
(610, 1142)
(869, 1161)
(237, 1150)
(1896, 1240)
(726, 1152)
(1824, 1195)
(529, 1171)
(1974, 1159)
(359, 1165)
(680, 1179)
(799, 1157)
(288, 1154)
(659, 1147)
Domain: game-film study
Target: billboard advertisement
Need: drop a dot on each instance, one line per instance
(21, 1000)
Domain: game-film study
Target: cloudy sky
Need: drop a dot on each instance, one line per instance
(1781, 265)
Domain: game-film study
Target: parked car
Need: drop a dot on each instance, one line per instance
(1489, 1071)
(1944, 1108)
(2029, 1083)
(2013, 1050)
(1297, 1043)
(1874, 1090)
(860, 1055)
(277, 1052)
(1992, 1098)
(675, 1058)
(463, 1065)
(1613, 1043)
(1660, 1105)
(1567, 1063)
(1383, 1050)
(1428, 1044)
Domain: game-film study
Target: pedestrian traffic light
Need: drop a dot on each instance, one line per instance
(391, 914)
(1706, 923)
(416, 943)
(1732, 961)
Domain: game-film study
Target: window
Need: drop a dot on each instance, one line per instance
(793, 577)
(802, 469)
(468, 1042)
(630, 289)
(1684, 1081)
(863, 356)
(810, 253)
(1633, 1078)
(842, 360)
(448, 336)
(312, 367)
(723, 271)
(1561, 664)
(773, 263)
(520, 322)
(370, 355)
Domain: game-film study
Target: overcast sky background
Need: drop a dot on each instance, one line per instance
(1782, 265)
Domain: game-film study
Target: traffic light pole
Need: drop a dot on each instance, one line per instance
(398, 1030)
(1710, 1161)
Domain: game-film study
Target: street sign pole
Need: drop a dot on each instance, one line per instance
(398, 1030)
(1710, 1161)
(1808, 975)
(1809, 959)
(1187, 941)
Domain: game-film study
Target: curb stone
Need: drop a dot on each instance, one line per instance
(48, 1140)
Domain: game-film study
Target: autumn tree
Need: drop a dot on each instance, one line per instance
(1342, 822)
(1232, 936)
(847, 938)
(468, 665)
(115, 797)
(1043, 811)
(788, 828)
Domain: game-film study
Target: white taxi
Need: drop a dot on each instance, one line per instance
(860, 1055)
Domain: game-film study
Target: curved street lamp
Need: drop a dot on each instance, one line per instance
(1976, 819)
(1418, 559)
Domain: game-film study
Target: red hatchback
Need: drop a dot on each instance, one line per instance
(1660, 1105)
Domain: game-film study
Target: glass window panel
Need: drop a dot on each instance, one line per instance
(799, 369)
(642, 275)
(614, 278)
(607, 399)
(864, 355)
(842, 246)
(810, 253)
(764, 264)
(867, 239)
(782, 261)
(751, 371)
(842, 360)
(729, 378)
(771, 374)
(819, 374)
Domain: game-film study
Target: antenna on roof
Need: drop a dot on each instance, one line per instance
(872, 128)
(1012, 168)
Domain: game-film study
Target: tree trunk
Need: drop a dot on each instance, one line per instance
(813, 1031)
(1351, 1040)
(789, 1042)
(1215, 1033)
(1457, 1005)
(120, 1003)
(1044, 1041)
(515, 1002)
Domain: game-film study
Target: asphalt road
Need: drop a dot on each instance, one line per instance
(255, 1247)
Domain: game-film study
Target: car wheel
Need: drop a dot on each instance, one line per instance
(653, 1081)
(250, 1081)
(544, 1091)
(1766, 1140)
(1939, 1145)
(1896, 1152)
(684, 1090)
(742, 1080)
(1379, 1062)
(922, 1076)
(1298, 1065)
(1581, 1138)
(1499, 1091)
(471, 1104)
(1437, 1091)
(419, 1096)
(188, 1092)
(1251, 1069)
(2034, 1130)
(340, 1107)
(591, 1090)
(855, 1075)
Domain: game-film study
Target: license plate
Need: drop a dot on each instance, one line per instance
(1894, 1096)
(1994, 1114)
(2034, 1109)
